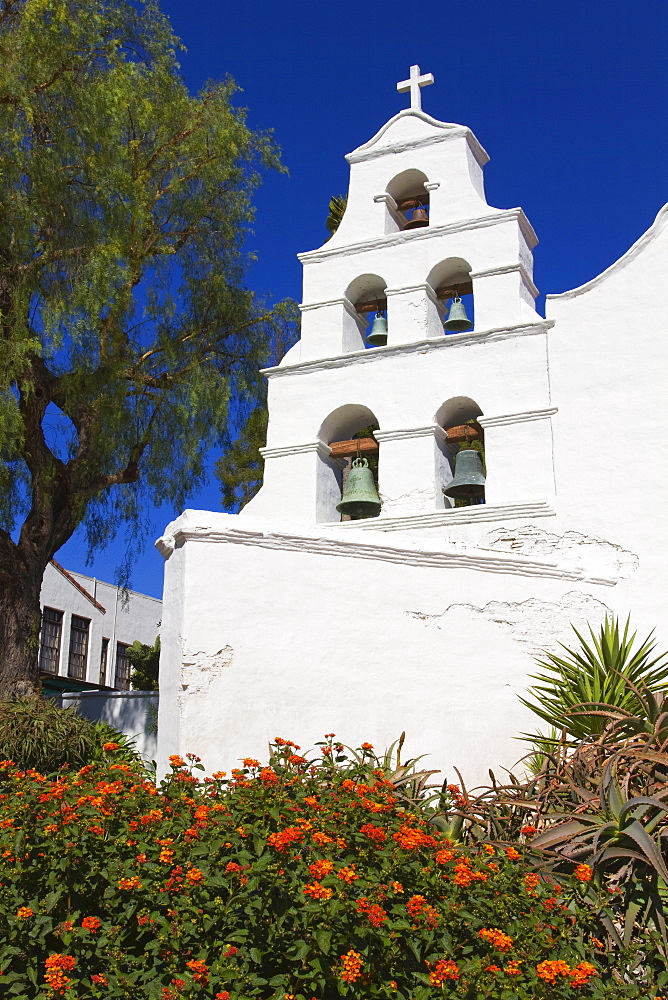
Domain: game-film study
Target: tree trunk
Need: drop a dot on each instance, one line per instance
(20, 618)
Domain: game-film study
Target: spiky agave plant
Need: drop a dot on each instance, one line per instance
(575, 691)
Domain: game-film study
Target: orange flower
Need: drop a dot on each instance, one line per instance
(251, 762)
(129, 883)
(285, 837)
(496, 938)
(415, 906)
(444, 969)
(352, 966)
(194, 875)
(110, 746)
(199, 970)
(176, 761)
(317, 891)
(99, 979)
(375, 833)
(442, 857)
(493, 968)
(581, 974)
(24, 912)
(464, 873)
(513, 854)
(529, 830)
(411, 839)
(375, 914)
(348, 875)
(91, 924)
(60, 962)
(513, 969)
(530, 883)
(396, 887)
(551, 969)
(268, 776)
(367, 746)
(583, 873)
(319, 869)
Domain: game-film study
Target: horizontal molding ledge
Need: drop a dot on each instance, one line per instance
(451, 557)
(492, 272)
(429, 430)
(426, 233)
(455, 515)
(449, 342)
(315, 447)
(518, 418)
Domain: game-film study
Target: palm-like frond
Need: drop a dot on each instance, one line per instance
(576, 691)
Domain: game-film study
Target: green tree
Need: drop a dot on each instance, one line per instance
(337, 207)
(145, 662)
(125, 324)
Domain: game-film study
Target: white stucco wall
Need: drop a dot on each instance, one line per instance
(284, 621)
(133, 713)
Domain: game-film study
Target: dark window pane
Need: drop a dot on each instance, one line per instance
(103, 662)
(122, 667)
(78, 648)
(49, 647)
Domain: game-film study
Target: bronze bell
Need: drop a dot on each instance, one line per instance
(378, 333)
(457, 320)
(419, 218)
(469, 479)
(360, 498)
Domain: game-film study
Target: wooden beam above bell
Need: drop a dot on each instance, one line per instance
(463, 432)
(342, 449)
(452, 291)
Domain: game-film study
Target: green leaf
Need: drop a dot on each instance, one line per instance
(323, 939)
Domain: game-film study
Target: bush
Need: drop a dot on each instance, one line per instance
(37, 734)
(304, 878)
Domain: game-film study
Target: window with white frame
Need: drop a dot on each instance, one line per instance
(104, 652)
(78, 657)
(122, 680)
(49, 646)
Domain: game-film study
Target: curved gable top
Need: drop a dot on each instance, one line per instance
(410, 129)
(642, 244)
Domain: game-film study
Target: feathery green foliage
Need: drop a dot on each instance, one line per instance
(36, 733)
(145, 662)
(337, 207)
(126, 324)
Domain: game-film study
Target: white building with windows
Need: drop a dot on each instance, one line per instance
(87, 626)
(286, 619)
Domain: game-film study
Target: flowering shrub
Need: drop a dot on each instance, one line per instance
(296, 880)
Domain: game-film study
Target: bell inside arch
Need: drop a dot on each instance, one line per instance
(469, 479)
(419, 218)
(360, 498)
(378, 333)
(457, 320)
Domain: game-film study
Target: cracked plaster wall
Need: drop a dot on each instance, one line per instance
(595, 556)
(535, 625)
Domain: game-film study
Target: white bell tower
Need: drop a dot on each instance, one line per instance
(286, 619)
(424, 380)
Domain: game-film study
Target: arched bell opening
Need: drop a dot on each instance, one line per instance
(411, 198)
(460, 457)
(451, 283)
(348, 476)
(369, 299)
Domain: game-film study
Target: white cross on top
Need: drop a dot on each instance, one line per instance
(414, 82)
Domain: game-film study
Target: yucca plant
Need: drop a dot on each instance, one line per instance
(577, 690)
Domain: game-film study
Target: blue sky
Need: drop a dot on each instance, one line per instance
(569, 99)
